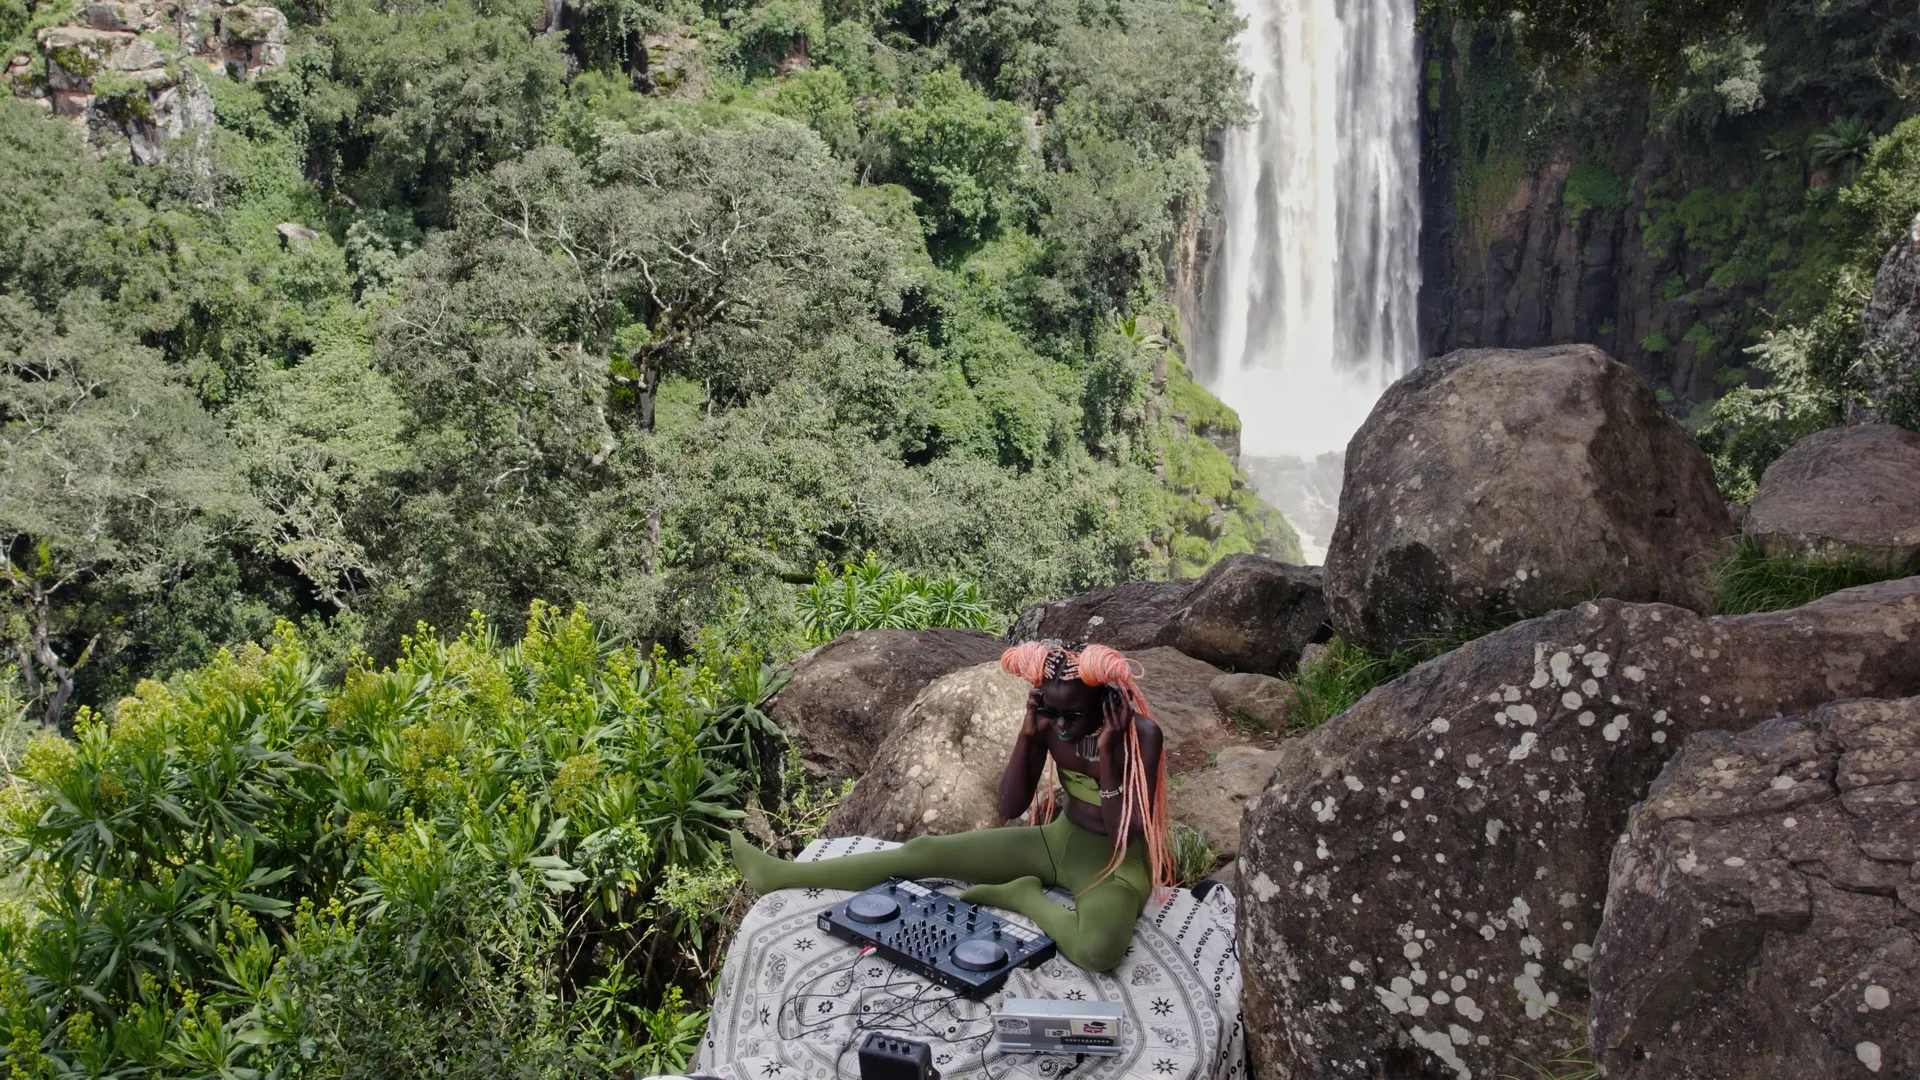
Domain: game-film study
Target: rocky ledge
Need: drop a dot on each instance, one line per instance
(132, 74)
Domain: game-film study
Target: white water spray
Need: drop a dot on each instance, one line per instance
(1317, 277)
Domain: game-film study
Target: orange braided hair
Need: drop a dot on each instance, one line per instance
(1098, 665)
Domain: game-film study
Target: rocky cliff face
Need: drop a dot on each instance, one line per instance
(1530, 253)
(132, 74)
(1667, 226)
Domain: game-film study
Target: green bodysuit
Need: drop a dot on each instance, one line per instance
(1009, 868)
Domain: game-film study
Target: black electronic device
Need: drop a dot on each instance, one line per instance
(890, 1057)
(954, 943)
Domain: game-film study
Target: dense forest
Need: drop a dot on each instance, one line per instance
(419, 465)
(538, 333)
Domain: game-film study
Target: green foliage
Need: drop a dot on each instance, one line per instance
(1340, 677)
(1841, 144)
(1723, 80)
(403, 97)
(1346, 673)
(1194, 856)
(481, 853)
(1751, 579)
(822, 100)
(958, 150)
(868, 596)
(1593, 187)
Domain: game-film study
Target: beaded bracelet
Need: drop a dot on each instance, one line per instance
(1114, 794)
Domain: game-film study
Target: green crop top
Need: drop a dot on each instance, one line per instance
(1080, 786)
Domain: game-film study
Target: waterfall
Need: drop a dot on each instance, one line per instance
(1316, 276)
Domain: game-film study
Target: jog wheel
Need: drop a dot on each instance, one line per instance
(872, 908)
(976, 955)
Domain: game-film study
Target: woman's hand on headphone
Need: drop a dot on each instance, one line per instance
(1034, 726)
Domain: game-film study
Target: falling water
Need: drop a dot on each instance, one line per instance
(1317, 274)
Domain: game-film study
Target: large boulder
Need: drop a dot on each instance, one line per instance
(1424, 877)
(1247, 613)
(1491, 481)
(939, 770)
(1764, 915)
(846, 695)
(1846, 492)
(1889, 370)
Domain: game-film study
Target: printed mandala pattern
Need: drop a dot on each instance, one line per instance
(1182, 1022)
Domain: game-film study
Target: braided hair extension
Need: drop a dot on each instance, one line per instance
(1141, 797)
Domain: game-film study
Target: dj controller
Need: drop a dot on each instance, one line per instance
(954, 943)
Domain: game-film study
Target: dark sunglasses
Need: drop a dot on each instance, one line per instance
(1047, 712)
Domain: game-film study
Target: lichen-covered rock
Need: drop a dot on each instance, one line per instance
(75, 54)
(1496, 480)
(670, 66)
(1846, 492)
(1424, 877)
(1763, 918)
(846, 696)
(252, 25)
(939, 769)
(1247, 613)
(1248, 698)
(1889, 372)
(114, 15)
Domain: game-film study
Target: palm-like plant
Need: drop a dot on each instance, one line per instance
(1842, 144)
(868, 596)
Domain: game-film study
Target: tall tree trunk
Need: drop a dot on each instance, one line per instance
(49, 662)
(651, 561)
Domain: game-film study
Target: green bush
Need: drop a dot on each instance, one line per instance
(1346, 673)
(1332, 684)
(1752, 580)
(868, 596)
(482, 860)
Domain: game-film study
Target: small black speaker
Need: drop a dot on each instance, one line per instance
(890, 1057)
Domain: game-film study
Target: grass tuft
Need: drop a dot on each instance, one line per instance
(1194, 856)
(1574, 1064)
(1751, 580)
(1331, 685)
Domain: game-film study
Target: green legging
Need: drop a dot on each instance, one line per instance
(1009, 867)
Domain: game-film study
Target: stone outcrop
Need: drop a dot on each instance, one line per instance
(846, 696)
(1213, 798)
(1498, 480)
(669, 65)
(1424, 877)
(1247, 613)
(1847, 492)
(132, 74)
(1260, 701)
(1764, 915)
(1889, 372)
(939, 770)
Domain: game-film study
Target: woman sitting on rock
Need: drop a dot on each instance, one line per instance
(1086, 717)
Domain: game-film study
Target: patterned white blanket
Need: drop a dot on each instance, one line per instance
(794, 1004)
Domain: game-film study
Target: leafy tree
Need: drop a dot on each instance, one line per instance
(959, 151)
(821, 99)
(407, 96)
(112, 481)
